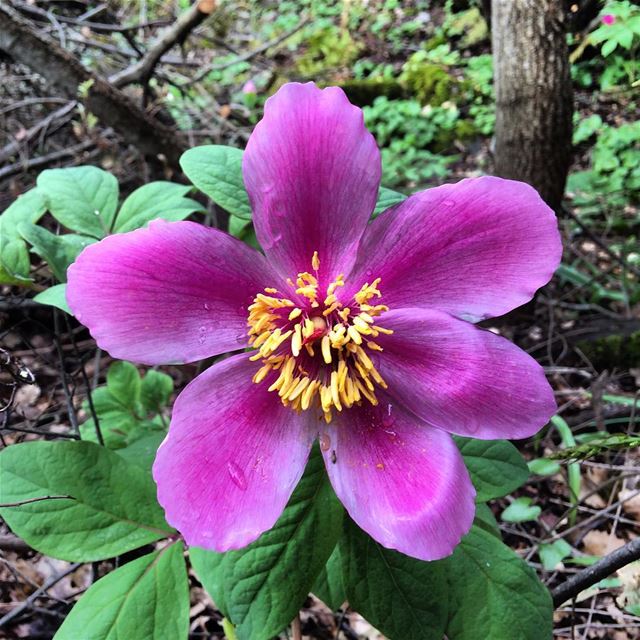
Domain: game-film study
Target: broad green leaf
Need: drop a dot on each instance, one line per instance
(261, 588)
(163, 200)
(119, 425)
(111, 507)
(494, 594)
(217, 171)
(14, 255)
(155, 390)
(58, 251)
(83, 199)
(14, 262)
(146, 598)
(142, 452)
(28, 207)
(521, 510)
(486, 520)
(387, 198)
(328, 585)
(123, 382)
(55, 296)
(405, 598)
(553, 553)
(495, 466)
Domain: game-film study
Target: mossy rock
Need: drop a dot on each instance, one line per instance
(364, 92)
(429, 82)
(617, 350)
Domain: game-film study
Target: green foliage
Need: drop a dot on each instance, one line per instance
(77, 501)
(128, 407)
(405, 130)
(328, 48)
(261, 588)
(55, 296)
(217, 171)
(145, 598)
(484, 590)
(430, 82)
(615, 165)
(624, 33)
(495, 466)
(83, 199)
(521, 510)
(328, 585)
(494, 593)
(14, 255)
(393, 592)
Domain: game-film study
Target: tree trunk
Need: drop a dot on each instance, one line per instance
(534, 105)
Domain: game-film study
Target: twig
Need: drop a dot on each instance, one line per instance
(12, 148)
(49, 158)
(141, 71)
(6, 505)
(248, 55)
(62, 70)
(36, 594)
(73, 418)
(589, 576)
(296, 628)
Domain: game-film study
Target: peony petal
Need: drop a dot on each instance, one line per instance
(312, 171)
(233, 456)
(463, 379)
(475, 249)
(402, 481)
(172, 292)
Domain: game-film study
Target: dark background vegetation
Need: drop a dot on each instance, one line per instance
(128, 86)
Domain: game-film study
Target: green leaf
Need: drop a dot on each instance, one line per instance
(55, 296)
(486, 520)
(387, 198)
(552, 554)
(495, 466)
(495, 594)
(217, 171)
(142, 451)
(261, 588)
(156, 200)
(83, 199)
(403, 597)
(14, 262)
(28, 207)
(544, 467)
(328, 585)
(58, 251)
(521, 510)
(111, 507)
(146, 598)
(155, 390)
(123, 382)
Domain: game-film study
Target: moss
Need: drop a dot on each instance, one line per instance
(621, 351)
(429, 82)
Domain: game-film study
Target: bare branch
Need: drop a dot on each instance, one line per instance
(142, 70)
(593, 574)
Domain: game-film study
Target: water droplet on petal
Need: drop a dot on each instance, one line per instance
(206, 306)
(369, 273)
(241, 338)
(325, 442)
(448, 203)
(237, 475)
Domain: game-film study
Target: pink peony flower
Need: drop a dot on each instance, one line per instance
(358, 334)
(608, 19)
(249, 87)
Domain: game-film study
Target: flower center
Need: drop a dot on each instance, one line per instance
(316, 349)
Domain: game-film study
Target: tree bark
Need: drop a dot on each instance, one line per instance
(534, 101)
